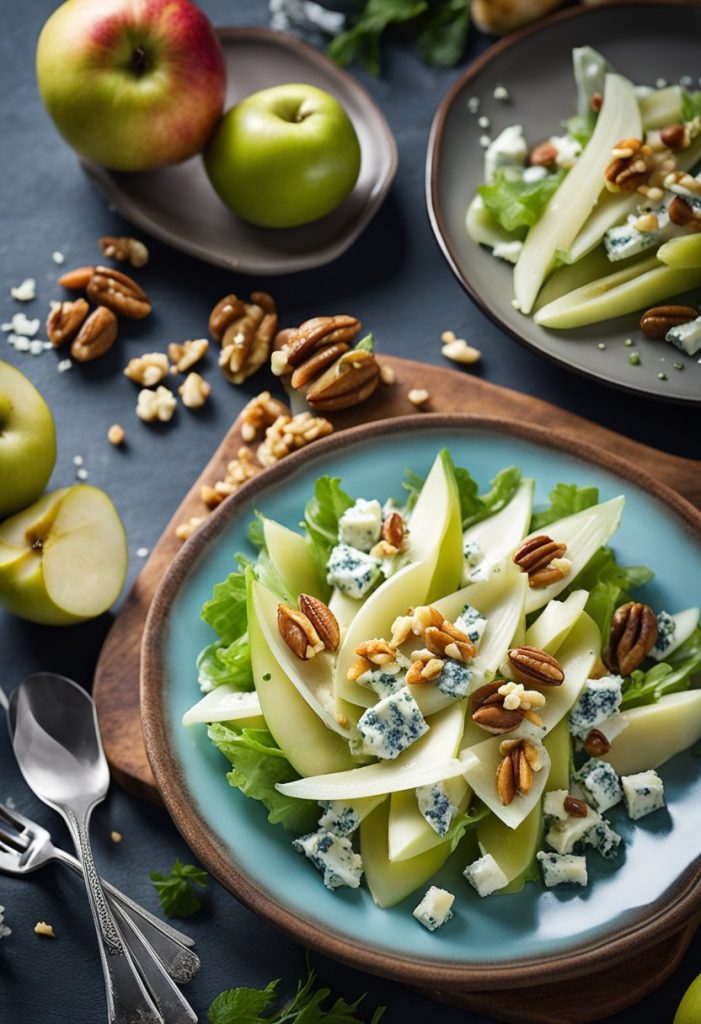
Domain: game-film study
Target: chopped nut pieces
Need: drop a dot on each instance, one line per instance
(683, 214)
(147, 369)
(76, 280)
(116, 837)
(387, 374)
(448, 642)
(460, 352)
(630, 167)
(418, 397)
(393, 530)
(532, 665)
(24, 292)
(261, 412)
(64, 320)
(488, 711)
(44, 929)
(596, 744)
(377, 652)
(126, 250)
(424, 668)
(633, 635)
(515, 772)
(97, 335)
(655, 322)
(517, 696)
(288, 433)
(322, 619)
(185, 354)
(186, 529)
(298, 632)
(158, 405)
(543, 155)
(674, 136)
(537, 557)
(116, 435)
(246, 331)
(119, 292)
(194, 391)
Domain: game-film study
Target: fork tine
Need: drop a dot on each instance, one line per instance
(13, 817)
(13, 844)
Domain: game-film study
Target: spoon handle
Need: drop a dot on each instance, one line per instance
(128, 1002)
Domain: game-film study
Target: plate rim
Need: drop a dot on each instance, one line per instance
(105, 180)
(669, 913)
(433, 208)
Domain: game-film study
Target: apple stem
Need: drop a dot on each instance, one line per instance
(139, 61)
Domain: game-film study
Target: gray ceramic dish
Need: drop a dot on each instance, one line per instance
(178, 205)
(645, 41)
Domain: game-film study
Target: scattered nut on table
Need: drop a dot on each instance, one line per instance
(44, 929)
(246, 331)
(96, 336)
(289, 433)
(119, 292)
(459, 351)
(387, 374)
(260, 412)
(147, 369)
(116, 434)
(125, 250)
(158, 405)
(186, 529)
(194, 391)
(418, 397)
(184, 355)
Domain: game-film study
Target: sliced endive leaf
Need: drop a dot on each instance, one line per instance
(656, 732)
(481, 763)
(483, 228)
(553, 625)
(574, 200)
(684, 252)
(227, 704)
(497, 536)
(290, 556)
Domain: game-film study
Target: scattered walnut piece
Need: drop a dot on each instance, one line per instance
(147, 369)
(42, 928)
(125, 250)
(194, 391)
(459, 351)
(156, 405)
(116, 837)
(210, 496)
(288, 433)
(418, 397)
(116, 435)
(186, 529)
(261, 412)
(387, 374)
(185, 354)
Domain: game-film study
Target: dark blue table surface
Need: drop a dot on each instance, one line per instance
(395, 279)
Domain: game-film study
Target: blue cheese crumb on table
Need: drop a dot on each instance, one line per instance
(352, 571)
(360, 525)
(435, 909)
(435, 806)
(562, 869)
(392, 725)
(333, 856)
(643, 793)
(599, 700)
(485, 875)
(600, 783)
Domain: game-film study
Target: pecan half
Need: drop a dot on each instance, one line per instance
(97, 335)
(655, 322)
(227, 310)
(119, 292)
(532, 665)
(298, 632)
(76, 280)
(64, 321)
(488, 711)
(322, 619)
(247, 338)
(633, 635)
(448, 642)
(318, 332)
(535, 557)
(596, 744)
(126, 250)
(349, 381)
(574, 807)
(543, 155)
(317, 362)
(520, 761)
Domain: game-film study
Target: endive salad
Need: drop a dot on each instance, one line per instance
(604, 218)
(451, 674)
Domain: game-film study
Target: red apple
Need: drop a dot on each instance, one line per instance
(132, 84)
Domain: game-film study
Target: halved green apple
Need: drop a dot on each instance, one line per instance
(290, 555)
(27, 441)
(64, 559)
(301, 734)
(656, 732)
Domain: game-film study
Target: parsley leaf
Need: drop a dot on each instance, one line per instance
(516, 203)
(257, 765)
(565, 500)
(321, 517)
(246, 1006)
(443, 34)
(361, 41)
(176, 891)
(225, 611)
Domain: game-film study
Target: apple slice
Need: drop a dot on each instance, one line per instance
(409, 834)
(583, 533)
(512, 849)
(290, 555)
(481, 763)
(496, 537)
(558, 744)
(227, 704)
(555, 622)
(63, 560)
(300, 733)
(656, 732)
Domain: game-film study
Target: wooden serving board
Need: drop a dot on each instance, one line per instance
(116, 686)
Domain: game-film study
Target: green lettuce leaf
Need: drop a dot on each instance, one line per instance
(225, 611)
(321, 516)
(257, 765)
(672, 676)
(254, 532)
(515, 203)
(565, 500)
(691, 105)
(609, 585)
(219, 663)
(475, 507)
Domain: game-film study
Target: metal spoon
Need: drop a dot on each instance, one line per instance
(57, 745)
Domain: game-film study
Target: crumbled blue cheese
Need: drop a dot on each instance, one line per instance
(332, 855)
(604, 840)
(562, 869)
(360, 525)
(599, 700)
(472, 554)
(340, 818)
(535, 173)
(436, 807)
(554, 804)
(392, 725)
(485, 875)
(435, 908)
(643, 793)
(673, 631)
(564, 836)
(352, 571)
(568, 150)
(454, 680)
(509, 149)
(686, 337)
(509, 251)
(472, 623)
(384, 680)
(629, 239)
(600, 782)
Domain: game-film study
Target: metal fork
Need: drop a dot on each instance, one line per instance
(26, 846)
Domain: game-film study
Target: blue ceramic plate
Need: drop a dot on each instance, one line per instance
(649, 892)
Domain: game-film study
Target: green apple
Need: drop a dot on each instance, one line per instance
(27, 441)
(689, 1011)
(132, 84)
(284, 156)
(63, 559)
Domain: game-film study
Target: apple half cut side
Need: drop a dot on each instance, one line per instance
(64, 559)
